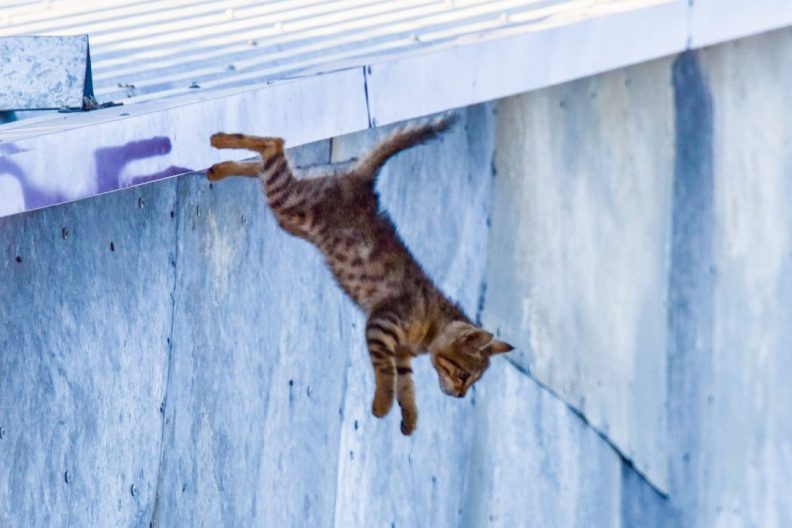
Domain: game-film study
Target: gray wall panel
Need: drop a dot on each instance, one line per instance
(744, 390)
(83, 357)
(578, 271)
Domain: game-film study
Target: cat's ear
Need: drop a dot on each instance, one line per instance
(499, 347)
(476, 337)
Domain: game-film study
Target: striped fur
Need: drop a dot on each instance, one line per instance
(338, 211)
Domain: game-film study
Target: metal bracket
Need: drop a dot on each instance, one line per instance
(46, 73)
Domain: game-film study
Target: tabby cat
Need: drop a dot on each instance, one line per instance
(337, 209)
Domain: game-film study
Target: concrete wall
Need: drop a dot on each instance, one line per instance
(205, 370)
(168, 357)
(641, 252)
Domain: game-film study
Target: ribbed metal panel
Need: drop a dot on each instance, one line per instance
(145, 48)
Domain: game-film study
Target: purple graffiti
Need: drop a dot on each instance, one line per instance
(109, 169)
(110, 162)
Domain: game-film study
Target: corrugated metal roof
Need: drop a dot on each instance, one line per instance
(143, 47)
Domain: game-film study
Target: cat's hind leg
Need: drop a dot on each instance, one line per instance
(405, 390)
(218, 171)
(383, 337)
(266, 146)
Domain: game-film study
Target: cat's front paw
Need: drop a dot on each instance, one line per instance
(409, 419)
(383, 401)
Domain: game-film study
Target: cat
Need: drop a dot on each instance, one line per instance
(337, 209)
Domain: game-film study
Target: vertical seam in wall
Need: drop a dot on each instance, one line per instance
(340, 457)
(367, 69)
(164, 404)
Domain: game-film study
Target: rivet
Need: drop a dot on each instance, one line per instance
(243, 220)
(231, 67)
(67, 477)
(356, 425)
(308, 391)
(194, 84)
(253, 42)
(133, 490)
(64, 233)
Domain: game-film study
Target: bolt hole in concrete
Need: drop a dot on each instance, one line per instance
(64, 233)
(19, 259)
(112, 246)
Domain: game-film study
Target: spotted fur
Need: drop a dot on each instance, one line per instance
(338, 211)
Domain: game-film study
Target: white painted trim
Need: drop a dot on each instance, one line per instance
(87, 154)
(51, 159)
(715, 21)
(555, 52)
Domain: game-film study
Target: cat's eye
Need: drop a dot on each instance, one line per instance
(463, 376)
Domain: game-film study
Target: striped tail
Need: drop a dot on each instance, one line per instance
(403, 138)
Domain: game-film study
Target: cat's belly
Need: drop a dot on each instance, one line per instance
(367, 273)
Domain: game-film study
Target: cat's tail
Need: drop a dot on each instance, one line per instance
(403, 138)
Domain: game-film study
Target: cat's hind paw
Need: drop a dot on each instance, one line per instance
(409, 419)
(383, 401)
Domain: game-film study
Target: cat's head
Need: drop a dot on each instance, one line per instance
(460, 355)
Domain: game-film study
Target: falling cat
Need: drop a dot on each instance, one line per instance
(337, 209)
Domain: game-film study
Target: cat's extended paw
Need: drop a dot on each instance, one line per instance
(212, 174)
(383, 401)
(409, 420)
(223, 140)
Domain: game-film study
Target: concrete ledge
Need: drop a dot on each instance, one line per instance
(48, 159)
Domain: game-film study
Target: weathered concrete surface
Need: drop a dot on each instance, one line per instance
(729, 421)
(642, 250)
(531, 456)
(84, 321)
(210, 361)
(578, 267)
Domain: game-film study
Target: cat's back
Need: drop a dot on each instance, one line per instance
(361, 244)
